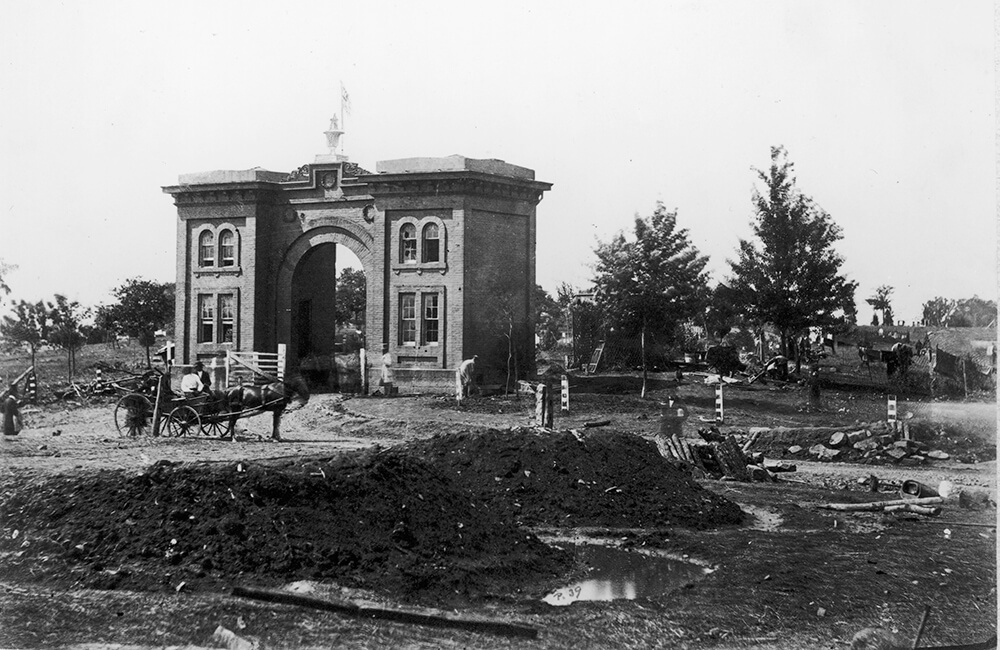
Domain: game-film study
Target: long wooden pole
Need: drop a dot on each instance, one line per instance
(426, 617)
(16, 381)
(879, 505)
(156, 406)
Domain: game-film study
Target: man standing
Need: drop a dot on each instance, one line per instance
(11, 414)
(388, 377)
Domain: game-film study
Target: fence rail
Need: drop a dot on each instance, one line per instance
(255, 367)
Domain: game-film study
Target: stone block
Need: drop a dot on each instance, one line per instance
(856, 436)
(897, 453)
(867, 444)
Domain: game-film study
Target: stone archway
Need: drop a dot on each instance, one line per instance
(312, 251)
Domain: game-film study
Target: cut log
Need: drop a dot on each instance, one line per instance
(879, 505)
(838, 439)
(663, 447)
(929, 511)
(695, 456)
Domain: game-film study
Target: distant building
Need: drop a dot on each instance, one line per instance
(447, 245)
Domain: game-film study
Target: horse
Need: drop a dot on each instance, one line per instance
(250, 399)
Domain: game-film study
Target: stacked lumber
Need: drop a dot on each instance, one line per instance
(721, 459)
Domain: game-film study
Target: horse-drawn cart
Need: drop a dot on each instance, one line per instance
(211, 414)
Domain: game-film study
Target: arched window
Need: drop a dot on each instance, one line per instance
(206, 249)
(408, 244)
(432, 243)
(227, 248)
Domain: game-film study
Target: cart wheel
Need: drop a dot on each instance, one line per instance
(133, 415)
(183, 421)
(215, 427)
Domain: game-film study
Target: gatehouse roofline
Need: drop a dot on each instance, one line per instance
(454, 163)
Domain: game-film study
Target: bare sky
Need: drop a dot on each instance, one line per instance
(886, 109)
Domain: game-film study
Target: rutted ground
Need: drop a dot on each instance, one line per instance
(773, 579)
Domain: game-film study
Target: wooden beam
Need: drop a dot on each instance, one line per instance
(430, 618)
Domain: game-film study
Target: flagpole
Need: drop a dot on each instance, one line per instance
(343, 124)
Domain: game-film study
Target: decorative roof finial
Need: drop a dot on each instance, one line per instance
(333, 135)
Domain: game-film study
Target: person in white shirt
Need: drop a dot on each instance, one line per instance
(464, 377)
(191, 383)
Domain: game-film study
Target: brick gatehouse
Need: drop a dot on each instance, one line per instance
(447, 246)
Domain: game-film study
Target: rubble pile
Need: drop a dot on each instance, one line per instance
(876, 443)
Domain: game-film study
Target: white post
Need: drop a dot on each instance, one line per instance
(215, 375)
(363, 362)
(229, 365)
(281, 360)
(892, 408)
(720, 412)
(565, 394)
(540, 398)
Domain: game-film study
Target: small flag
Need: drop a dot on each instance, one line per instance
(345, 100)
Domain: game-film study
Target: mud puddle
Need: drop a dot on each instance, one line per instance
(616, 574)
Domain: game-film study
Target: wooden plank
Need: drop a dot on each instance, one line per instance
(595, 358)
(695, 456)
(684, 453)
(426, 617)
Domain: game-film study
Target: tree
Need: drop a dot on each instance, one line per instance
(505, 320)
(351, 297)
(29, 325)
(5, 270)
(65, 332)
(881, 301)
(652, 283)
(548, 318)
(722, 314)
(937, 311)
(788, 275)
(143, 307)
(973, 312)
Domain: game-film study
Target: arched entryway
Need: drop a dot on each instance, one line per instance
(323, 344)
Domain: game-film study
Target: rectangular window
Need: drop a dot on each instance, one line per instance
(227, 318)
(431, 324)
(408, 318)
(227, 249)
(409, 251)
(206, 318)
(206, 249)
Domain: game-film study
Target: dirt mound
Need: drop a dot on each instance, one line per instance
(377, 519)
(559, 479)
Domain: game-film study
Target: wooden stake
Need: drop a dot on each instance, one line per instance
(156, 406)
